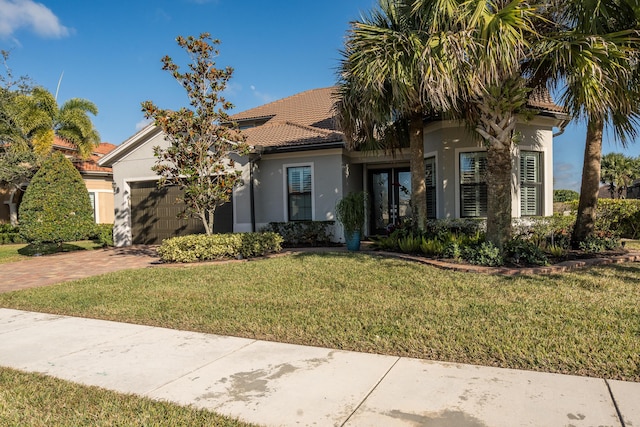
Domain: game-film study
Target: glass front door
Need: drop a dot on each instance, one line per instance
(390, 191)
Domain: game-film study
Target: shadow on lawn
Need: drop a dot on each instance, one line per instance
(38, 249)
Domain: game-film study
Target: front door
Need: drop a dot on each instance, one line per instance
(390, 191)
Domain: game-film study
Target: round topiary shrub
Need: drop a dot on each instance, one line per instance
(56, 206)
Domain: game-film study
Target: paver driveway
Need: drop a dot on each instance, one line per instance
(46, 270)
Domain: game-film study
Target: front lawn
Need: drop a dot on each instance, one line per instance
(585, 322)
(21, 251)
(9, 253)
(39, 400)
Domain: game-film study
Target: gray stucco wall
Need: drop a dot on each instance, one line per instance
(270, 185)
(446, 140)
(135, 166)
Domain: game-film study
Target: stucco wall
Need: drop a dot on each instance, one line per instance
(447, 140)
(270, 177)
(135, 166)
(104, 199)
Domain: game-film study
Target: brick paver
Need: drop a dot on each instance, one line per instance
(46, 270)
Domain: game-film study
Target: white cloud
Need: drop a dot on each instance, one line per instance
(16, 14)
(143, 124)
(232, 89)
(265, 98)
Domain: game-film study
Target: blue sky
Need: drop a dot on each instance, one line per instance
(109, 52)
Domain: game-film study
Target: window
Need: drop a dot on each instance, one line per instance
(473, 184)
(92, 198)
(530, 183)
(430, 181)
(299, 193)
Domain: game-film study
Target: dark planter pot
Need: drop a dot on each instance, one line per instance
(353, 241)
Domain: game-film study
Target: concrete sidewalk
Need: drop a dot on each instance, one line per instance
(282, 384)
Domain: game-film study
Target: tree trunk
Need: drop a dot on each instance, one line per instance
(418, 172)
(496, 128)
(586, 218)
(499, 178)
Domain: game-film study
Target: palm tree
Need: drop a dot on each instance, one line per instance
(39, 119)
(619, 171)
(591, 56)
(459, 58)
(380, 90)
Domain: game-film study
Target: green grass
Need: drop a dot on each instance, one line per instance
(21, 251)
(9, 253)
(585, 322)
(633, 245)
(39, 400)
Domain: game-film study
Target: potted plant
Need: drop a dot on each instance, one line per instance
(350, 211)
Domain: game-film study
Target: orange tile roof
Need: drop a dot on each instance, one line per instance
(86, 165)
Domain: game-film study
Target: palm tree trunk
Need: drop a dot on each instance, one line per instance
(418, 172)
(496, 126)
(586, 218)
(499, 179)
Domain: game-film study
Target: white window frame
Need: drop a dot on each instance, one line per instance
(539, 184)
(458, 152)
(285, 187)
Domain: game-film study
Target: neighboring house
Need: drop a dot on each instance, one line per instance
(98, 179)
(631, 192)
(300, 168)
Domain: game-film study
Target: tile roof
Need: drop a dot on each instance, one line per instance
(301, 119)
(89, 165)
(308, 118)
(541, 99)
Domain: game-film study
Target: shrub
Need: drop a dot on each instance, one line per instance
(432, 247)
(544, 231)
(565, 195)
(103, 234)
(202, 247)
(56, 206)
(486, 253)
(520, 251)
(302, 233)
(457, 226)
(10, 234)
(622, 215)
(599, 242)
(556, 251)
(410, 243)
(387, 243)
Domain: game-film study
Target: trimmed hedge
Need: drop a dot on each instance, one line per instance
(302, 233)
(203, 247)
(103, 234)
(10, 234)
(56, 206)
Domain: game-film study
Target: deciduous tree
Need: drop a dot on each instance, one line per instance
(200, 136)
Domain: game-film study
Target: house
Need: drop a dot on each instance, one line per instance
(300, 167)
(98, 179)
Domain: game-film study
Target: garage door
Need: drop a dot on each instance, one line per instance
(154, 215)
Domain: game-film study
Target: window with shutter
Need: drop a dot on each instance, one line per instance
(530, 183)
(299, 184)
(430, 181)
(473, 184)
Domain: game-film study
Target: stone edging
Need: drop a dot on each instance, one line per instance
(632, 256)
